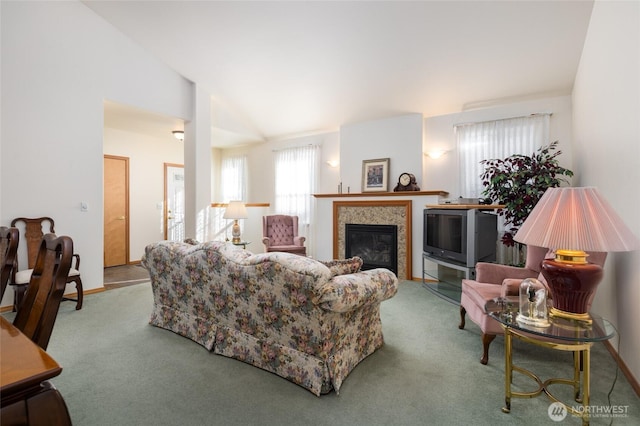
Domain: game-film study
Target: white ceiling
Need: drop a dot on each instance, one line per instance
(291, 67)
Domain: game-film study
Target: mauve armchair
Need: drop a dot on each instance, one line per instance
(280, 233)
(495, 280)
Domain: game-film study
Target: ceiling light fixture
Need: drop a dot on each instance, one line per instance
(179, 134)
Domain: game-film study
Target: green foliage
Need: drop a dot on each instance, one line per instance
(519, 181)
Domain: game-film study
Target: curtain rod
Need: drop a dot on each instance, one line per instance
(503, 119)
(294, 147)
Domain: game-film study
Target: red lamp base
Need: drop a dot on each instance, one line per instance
(572, 284)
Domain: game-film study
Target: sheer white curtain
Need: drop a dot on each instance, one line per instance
(496, 139)
(296, 174)
(233, 186)
(233, 172)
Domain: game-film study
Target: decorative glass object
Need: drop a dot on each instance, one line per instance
(533, 303)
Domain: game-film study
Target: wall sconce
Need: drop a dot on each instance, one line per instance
(179, 134)
(333, 163)
(435, 154)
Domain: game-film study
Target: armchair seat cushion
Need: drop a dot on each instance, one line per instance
(481, 293)
(290, 248)
(23, 277)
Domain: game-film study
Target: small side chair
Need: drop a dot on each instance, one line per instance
(34, 232)
(47, 283)
(9, 238)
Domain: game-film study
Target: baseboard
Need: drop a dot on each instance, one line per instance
(9, 308)
(427, 280)
(633, 381)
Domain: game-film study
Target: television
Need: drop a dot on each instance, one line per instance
(463, 237)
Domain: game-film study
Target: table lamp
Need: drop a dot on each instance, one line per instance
(235, 210)
(572, 221)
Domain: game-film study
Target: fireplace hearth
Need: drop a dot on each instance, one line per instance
(377, 245)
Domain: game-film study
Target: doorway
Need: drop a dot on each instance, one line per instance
(116, 211)
(174, 204)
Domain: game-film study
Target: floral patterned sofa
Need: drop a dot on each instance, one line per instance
(307, 321)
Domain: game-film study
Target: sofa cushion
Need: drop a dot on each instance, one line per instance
(343, 266)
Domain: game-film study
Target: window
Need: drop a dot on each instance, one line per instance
(296, 173)
(496, 139)
(233, 178)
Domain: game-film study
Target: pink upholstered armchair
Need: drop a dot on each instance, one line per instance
(494, 280)
(280, 233)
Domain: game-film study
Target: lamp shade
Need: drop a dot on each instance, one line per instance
(576, 219)
(235, 210)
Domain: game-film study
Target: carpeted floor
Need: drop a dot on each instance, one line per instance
(119, 370)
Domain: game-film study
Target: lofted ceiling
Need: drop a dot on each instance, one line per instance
(293, 67)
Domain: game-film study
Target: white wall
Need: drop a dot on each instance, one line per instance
(147, 155)
(606, 104)
(60, 61)
(397, 138)
(443, 173)
(261, 179)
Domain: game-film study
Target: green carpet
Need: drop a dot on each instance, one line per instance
(119, 370)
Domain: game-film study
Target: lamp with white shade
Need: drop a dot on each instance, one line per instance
(235, 210)
(573, 221)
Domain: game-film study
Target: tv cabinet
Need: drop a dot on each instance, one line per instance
(444, 278)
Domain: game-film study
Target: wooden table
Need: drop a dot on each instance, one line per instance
(23, 364)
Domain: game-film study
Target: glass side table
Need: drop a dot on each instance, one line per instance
(562, 335)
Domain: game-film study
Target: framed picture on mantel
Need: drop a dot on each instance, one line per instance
(375, 175)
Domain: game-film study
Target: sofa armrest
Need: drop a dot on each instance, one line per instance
(344, 293)
(266, 241)
(494, 273)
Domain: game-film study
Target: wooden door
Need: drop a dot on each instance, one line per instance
(116, 211)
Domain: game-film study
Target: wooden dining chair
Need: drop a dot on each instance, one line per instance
(39, 310)
(8, 249)
(34, 231)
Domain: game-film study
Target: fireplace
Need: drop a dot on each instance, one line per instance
(377, 245)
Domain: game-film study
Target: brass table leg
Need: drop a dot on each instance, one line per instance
(586, 364)
(508, 371)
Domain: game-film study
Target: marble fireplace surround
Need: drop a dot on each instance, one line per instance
(382, 212)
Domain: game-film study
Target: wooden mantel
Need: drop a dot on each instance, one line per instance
(383, 194)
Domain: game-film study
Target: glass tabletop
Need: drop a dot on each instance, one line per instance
(505, 311)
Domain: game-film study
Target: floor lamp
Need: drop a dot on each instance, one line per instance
(573, 221)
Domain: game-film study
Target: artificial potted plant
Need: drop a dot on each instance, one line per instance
(519, 181)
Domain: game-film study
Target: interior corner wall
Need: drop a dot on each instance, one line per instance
(397, 138)
(606, 107)
(197, 168)
(60, 61)
(443, 173)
